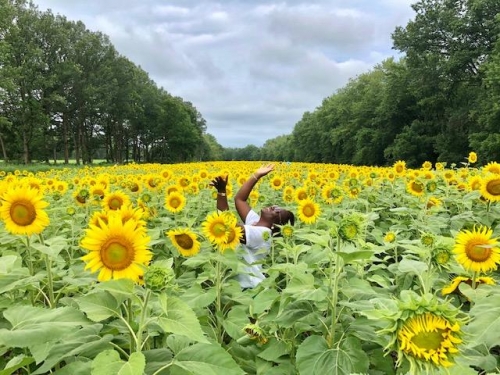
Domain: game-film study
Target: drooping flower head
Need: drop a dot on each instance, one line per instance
(452, 287)
(476, 250)
(22, 210)
(424, 330)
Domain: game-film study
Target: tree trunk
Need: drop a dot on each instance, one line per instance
(65, 138)
(26, 150)
(4, 151)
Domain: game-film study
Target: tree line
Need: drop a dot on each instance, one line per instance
(65, 92)
(437, 103)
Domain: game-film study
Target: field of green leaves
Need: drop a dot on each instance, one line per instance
(132, 270)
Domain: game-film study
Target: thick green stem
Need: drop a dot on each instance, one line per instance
(335, 289)
(142, 320)
(218, 303)
(50, 280)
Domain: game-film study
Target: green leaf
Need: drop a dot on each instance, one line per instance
(109, 362)
(197, 298)
(75, 368)
(121, 289)
(99, 306)
(36, 326)
(179, 318)
(13, 275)
(205, 359)
(485, 321)
(315, 357)
(264, 300)
(355, 255)
(52, 246)
(16, 363)
(273, 350)
(156, 359)
(412, 266)
(293, 312)
(82, 342)
(235, 321)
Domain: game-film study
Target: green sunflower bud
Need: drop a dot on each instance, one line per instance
(159, 276)
(350, 227)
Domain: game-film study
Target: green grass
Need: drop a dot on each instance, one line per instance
(35, 167)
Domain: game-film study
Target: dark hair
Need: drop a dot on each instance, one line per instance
(285, 218)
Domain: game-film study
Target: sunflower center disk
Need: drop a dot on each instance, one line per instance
(117, 256)
(493, 187)
(184, 241)
(428, 340)
(174, 203)
(115, 203)
(219, 229)
(478, 252)
(308, 211)
(22, 213)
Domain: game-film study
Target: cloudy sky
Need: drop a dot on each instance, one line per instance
(251, 67)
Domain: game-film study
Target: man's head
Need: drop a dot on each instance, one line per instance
(276, 215)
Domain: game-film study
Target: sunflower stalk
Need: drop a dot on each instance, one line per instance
(334, 287)
(50, 280)
(142, 321)
(218, 303)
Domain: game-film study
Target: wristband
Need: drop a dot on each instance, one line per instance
(222, 194)
(254, 176)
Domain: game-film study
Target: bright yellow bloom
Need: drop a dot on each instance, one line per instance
(472, 157)
(175, 202)
(214, 227)
(492, 167)
(22, 211)
(490, 188)
(118, 250)
(453, 286)
(476, 251)
(309, 211)
(185, 241)
(415, 187)
(115, 200)
(399, 167)
(429, 337)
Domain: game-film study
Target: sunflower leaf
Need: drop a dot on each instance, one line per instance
(485, 320)
(205, 359)
(99, 306)
(109, 362)
(315, 357)
(177, 317)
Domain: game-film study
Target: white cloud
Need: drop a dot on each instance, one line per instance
(252, 68)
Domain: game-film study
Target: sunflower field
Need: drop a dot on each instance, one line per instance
(131, 269)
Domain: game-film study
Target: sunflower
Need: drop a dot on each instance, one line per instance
(118, 250)
(81, 196)
(287, 231)
(115, 200)
(476, 251)
(427, 166)
(390, 237)
(185, 241)
(214, 228)
(399, 167)
(22, 210)
(490, 188)
(288, 194)
(472, 158)
(415, 187)
(309, 211)
(301, 194)
(276, 182)
(492, 167)
(429, 337)
(475, 183)
(453, 286)
(433, 202)
(351, 227)
(175, 202)
(234, 234)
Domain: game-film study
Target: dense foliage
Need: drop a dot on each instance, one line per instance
(127, 270)
(66, 92)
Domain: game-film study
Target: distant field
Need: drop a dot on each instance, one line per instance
(37, 166)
